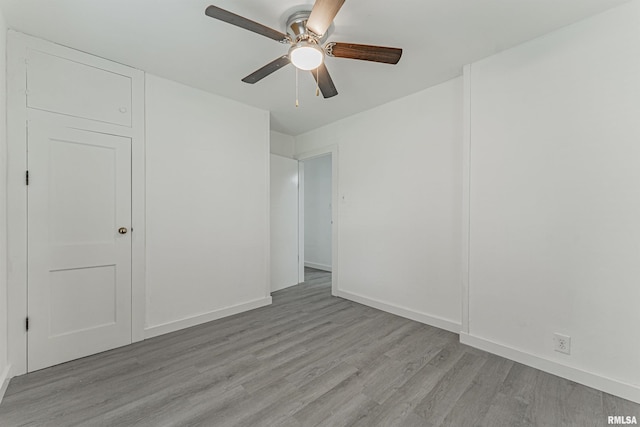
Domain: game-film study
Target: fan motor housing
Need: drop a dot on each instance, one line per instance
(297, 28)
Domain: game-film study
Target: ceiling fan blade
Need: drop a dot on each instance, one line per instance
(247, 24)
(322, 77)
(387, 55)
(322, 15)
(270, 68)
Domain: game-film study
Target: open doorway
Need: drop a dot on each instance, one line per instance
(317, 213)
(304, 226)
(316, 217)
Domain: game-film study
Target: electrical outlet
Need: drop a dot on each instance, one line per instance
(562, 343)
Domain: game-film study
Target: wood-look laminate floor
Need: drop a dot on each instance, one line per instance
(309, 359)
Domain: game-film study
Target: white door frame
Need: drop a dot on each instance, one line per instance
(333, 151)
(300, 221)
(18, 45)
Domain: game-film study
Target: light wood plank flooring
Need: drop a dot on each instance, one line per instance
(309, 359)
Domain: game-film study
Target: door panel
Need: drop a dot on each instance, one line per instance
(79, 285)
(284, 222)
(95, 219)
(95, 287)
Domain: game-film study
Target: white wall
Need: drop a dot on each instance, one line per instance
(281, 144)
(207, 206)
(3, 207)
(317, 213)
(555, 201)
(400, 191)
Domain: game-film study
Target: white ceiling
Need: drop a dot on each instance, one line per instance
(174, 39)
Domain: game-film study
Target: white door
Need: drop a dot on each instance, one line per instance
(284, 222)
(79, 262)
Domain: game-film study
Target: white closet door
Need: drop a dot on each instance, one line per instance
(71, 88)
(284, 222)
(79, 262)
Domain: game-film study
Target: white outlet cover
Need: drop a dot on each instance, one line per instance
(562, 343)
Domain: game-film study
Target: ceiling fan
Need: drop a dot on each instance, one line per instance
(306, 31)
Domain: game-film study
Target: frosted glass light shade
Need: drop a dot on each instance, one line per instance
(306, 56)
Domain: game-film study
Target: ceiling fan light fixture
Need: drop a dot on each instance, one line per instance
(306, 56)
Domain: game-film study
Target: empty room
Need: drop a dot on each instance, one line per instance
(319, 213)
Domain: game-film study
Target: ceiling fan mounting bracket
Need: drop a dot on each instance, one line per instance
(298, 31)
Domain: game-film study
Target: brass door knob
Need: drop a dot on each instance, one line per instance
(122, 230)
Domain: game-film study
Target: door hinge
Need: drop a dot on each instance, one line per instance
(26, 323)
(27, 177)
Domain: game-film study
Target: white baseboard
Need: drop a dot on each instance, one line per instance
(427, 319)
(165, 328)
(608, 385)
(317, 266)
(284, 287)
(4, 381)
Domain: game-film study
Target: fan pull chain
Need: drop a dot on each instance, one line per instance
(318, 81)
(297, 104)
